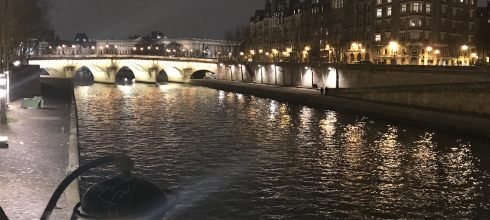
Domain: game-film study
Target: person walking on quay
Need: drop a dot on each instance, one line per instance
(326, 91)
(321, 91)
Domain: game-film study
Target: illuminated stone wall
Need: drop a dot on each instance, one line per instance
(353, 76)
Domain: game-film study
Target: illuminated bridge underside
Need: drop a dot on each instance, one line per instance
(145, 68)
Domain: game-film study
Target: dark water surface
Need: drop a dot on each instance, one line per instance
(234, 156)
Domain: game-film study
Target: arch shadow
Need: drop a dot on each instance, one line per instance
(44, 72)
(162, 77)
(83, 77)
(125, 76)
(204, 74)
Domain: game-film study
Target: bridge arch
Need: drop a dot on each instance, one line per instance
(83, 76)
(53, 71)
(202, 74)
(139, 72)
(97, 71)
(173, 74)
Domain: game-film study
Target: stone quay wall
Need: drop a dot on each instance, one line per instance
(350, 76)
(453, 88)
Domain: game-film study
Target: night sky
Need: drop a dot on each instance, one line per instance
(103, 19)
(118, 19)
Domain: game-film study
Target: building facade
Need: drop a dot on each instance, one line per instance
(155, 44)
(403, 32)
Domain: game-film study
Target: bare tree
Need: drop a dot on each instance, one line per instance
(234, 36)
(174, 48)
(237, 33)
(294, 37)
(339, 38)
(20, 22)
(482, 42)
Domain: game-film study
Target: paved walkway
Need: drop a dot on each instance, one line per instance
(36, 160)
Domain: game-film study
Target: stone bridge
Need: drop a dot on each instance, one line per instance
(105, 68)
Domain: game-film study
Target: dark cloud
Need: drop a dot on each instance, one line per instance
(103, 19)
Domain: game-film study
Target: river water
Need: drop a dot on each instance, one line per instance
(235, 156)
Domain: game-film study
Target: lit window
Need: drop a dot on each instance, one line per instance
(404, 8)
(427, 8)
(414, 22)
(378, 38)
(388, 11)
(379, 13)
(416, 7)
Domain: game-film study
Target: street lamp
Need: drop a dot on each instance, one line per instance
(464, 47)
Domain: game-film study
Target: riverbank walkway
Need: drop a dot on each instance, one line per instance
(450, 121)
(36, 160)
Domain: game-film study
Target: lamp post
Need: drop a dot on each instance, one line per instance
(464, 47)
(429, 49)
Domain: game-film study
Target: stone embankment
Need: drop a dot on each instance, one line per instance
(438, 118)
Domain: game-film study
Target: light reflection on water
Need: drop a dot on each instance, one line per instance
(234, 156)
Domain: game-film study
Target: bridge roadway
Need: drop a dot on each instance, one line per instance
(104, 68)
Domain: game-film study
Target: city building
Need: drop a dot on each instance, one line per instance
(80, 45)
(404, 32)
(155, 43)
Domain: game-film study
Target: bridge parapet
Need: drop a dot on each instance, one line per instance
(122, 57)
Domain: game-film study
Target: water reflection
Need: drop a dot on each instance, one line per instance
(234, 156)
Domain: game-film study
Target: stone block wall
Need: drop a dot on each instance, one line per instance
(353, 76)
